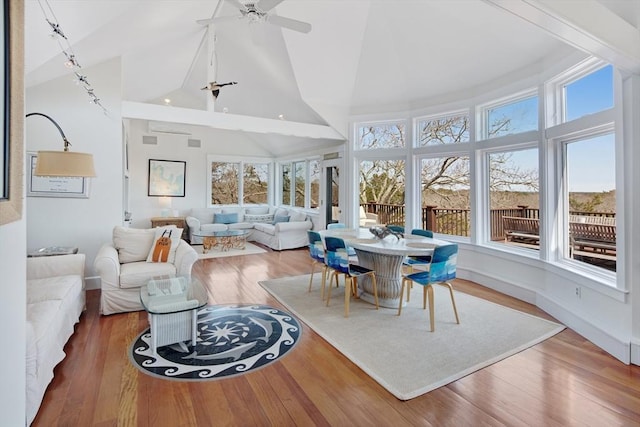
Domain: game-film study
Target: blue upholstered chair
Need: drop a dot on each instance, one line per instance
(442, 268)
(396, 228)
(316, 252)
(412, 261)
(337, 261)
(338, 225)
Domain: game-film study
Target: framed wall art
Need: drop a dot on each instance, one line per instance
(166, 178)
(54, 186)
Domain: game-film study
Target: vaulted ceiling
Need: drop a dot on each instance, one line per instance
(361, 56)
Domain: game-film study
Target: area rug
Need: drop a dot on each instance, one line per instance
(250, 249)
(400, 352)
(232, 340)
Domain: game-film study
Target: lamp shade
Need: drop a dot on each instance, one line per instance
(64, 163)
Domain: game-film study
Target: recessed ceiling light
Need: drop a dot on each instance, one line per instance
(167, 101)
(281, 116)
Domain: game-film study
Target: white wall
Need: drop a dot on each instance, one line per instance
(85, 223)
(13, 308)
(174, 147)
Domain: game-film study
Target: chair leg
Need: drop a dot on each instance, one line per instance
(404, 281)
(348, 284)
(313, 264)
(453, 301)
(375, 291)
(333, 274)
(431, 307)
(324, 280)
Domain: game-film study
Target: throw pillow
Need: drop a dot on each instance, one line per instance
(132, 244)
(281, 212)
(262, 210)
(265, 218)
(164, 245)
(277, 219)
(225, 218)
(297, 216)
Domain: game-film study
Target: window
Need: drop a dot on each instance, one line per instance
(382, 182)
(255, 185)
(300, 180)
(445, 195)
(382, 135)
(224, 183)
(589, 94)
(514, 197)
(286, 183)
(239, 181)
(510, 118)
(591, 199)
(315, 174)
(443, 130)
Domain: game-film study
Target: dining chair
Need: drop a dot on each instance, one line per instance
(316, 252)
(396, 228)
(339, 225)
(337, 260)
(442, 268)
(418, 260)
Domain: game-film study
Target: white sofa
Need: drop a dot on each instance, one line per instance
(259, 221)
(123, 268)
(55, 300)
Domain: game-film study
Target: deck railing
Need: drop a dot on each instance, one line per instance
(457, 221)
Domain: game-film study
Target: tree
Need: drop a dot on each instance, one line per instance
(224, 183)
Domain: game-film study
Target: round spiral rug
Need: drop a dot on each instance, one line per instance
(231, 340)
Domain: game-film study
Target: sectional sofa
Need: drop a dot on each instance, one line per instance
(277, 228)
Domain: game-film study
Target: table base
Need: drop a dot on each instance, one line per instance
(388, 271)
(173, 328)
(224, 243)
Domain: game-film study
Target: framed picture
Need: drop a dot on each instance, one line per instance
(12, 111)
(166, 178)
(54, 186)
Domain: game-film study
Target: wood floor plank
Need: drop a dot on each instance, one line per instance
(565, 380)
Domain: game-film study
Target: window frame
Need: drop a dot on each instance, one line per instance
(241, 161)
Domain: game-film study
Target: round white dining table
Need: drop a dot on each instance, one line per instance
(385, 257)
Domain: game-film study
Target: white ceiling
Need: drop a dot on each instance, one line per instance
(361, 56)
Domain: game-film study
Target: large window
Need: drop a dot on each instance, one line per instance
(299, 169)
(224, 183)
(445, 195)
(381, 135)
(241, 181)
(300, 184)
(591, 199)
(589, 94)
(256, 183)
(514, 210)
(382, 185)
(315, 174)
(286, 184)
(511, 117)
(443, 130)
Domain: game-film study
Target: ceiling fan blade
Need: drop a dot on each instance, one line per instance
(219, 20)
(267, 5)
(237, 4)
(289, 23)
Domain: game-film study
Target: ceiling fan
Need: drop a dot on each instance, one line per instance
(258, 11)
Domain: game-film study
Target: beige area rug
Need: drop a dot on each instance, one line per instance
(400, 352)
(250, 249)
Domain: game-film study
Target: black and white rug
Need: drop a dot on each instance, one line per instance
(232, 340)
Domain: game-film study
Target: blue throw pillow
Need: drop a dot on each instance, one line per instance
(278, 219)
(221, 218)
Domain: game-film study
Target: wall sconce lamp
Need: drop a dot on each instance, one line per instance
(63, 163)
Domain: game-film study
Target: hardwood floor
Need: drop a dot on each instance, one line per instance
(563, 381)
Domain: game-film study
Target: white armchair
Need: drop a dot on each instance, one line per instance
(123, 268)
(367, 219)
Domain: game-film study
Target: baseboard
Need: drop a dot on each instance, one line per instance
(92, 283)
(635, 352)
(617, 347)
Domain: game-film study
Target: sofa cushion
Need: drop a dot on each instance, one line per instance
(204, 215)
(52, 288)
(267, 218)
(165, 243)
(260, 210)
(213, 227)
(225, 218)
(137, 274)
(239, 211)
(132, 244)
(277, 219)
(241, 226)
(296, 216)
(280, 212)
(265, 228)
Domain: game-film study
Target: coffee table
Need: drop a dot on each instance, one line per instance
(172, 304)
(224, 240)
